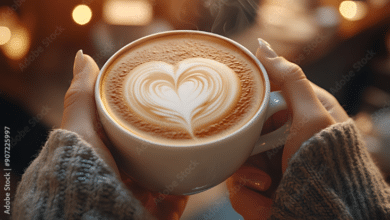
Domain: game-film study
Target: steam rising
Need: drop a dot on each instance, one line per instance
(231, 16)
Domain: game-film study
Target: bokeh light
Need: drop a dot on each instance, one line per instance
(18, 45)
(352, 10)
(119, 12)
(82, 14)
(5, 35)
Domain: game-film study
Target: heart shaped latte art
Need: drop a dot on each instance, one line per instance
(193, 93)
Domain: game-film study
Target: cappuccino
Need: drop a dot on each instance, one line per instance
(183, 88)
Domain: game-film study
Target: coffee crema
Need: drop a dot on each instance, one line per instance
(182, 89)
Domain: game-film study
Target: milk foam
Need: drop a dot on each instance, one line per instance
(190, 94)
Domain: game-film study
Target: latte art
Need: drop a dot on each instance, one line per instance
(193, 93)
(182, 89)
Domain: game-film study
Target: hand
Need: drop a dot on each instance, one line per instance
(80, 116)
(312, 109)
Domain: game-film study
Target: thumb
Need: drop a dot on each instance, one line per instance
(309, 115)
(295, 86)
(80, 108)
(79, 103)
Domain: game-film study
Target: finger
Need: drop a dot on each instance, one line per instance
(331, 104)
(291, 79)
(249, 204)
(79, 104)
(143, 195)
(172, 207)
(80, 109)
(252, 178)
(309, 115)
(160, 205)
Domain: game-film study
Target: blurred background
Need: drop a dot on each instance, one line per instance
(343, 46)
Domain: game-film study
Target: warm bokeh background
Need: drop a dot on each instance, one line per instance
(343, 46)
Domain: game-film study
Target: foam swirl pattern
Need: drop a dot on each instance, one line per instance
(191, 94)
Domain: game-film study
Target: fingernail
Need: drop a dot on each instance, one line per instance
(254, 182)
(266, 49)
(79, 62)
(253, 178)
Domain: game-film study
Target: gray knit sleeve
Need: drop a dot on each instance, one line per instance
(332, 176)
(68, 180)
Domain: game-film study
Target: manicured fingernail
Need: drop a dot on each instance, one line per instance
(79, 62)
(253, 178)
(254, 182)
(266, 49)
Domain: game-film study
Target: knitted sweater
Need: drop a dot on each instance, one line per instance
(68, 180)
(331, 177)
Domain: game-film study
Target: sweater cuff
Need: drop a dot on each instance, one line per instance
(69, 180)
(333, 175)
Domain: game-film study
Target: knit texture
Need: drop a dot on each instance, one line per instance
(332, 176)
(69, 181)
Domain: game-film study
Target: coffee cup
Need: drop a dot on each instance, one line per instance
(185, 109)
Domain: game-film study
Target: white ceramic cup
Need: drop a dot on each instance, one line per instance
(185, 170)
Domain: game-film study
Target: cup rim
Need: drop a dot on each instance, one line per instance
(262, 108)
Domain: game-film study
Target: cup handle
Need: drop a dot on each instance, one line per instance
(279, 136)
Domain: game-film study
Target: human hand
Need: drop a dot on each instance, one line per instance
(309, 114)
(80, 116)
(312, 109)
